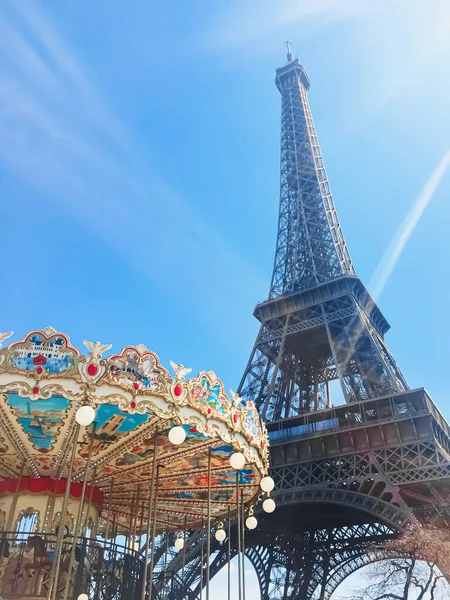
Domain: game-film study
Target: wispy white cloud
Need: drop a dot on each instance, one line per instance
(59, 70)
(397, 40)
(404, 232)
(251, 23)
(60, 135)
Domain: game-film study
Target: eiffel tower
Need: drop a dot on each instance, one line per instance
(350, 476)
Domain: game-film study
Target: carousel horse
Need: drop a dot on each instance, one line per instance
(14, 577)
(35, 566)
(40, 554)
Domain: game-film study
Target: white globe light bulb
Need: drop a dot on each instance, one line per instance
(177, 435)
(179, 543)
(251, 522)
(269, 505)
(220, 535)
(83, 597)
(84, 416)
(267, 484)
(237, 461)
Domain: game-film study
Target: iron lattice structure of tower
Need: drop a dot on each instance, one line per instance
(319, 323)
(346, 477)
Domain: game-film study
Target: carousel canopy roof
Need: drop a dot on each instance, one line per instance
(44, 380)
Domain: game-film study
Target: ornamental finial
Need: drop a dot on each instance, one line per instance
(5, 336)
(48, 331)
(141, 348)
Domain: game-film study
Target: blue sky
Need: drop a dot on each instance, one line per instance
(139, 157)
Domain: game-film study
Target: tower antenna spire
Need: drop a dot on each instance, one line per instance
(288, 46)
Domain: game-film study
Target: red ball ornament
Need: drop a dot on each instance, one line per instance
(177, 390)
(235, 418)
(35, 390)
(92, 370)
(209, 411)
(136, 386)
(39, 370)
(133, 405)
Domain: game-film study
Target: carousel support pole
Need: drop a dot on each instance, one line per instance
(184, 547)
(208, 531)
(114, 528)
(53, 587)
(12, 510)
(147, 541)
(229, 552)
(238, 515)
(201, 561)
(165, 578)
(141, 522)
(129, 541)
(138, 498)
(97, 520)
(86, 521)
(243, 543)
(109, 510)
(152, 555)
(49, 510)
(15, 498)
(79, 517)
(94, 530)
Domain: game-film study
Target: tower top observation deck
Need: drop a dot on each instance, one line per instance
(288, 74)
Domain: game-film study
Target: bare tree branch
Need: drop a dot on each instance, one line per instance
(406, 567)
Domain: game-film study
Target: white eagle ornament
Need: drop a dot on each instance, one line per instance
(96, 349)
(180, 371)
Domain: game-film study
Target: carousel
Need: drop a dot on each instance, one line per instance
(102, 456)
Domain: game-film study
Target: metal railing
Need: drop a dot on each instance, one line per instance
(406, 405)
(102, 570)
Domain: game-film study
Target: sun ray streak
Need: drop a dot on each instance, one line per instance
(404, 232)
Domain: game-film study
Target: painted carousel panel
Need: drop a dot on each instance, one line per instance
(40, 420)
(112, 425)
(41, 353)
